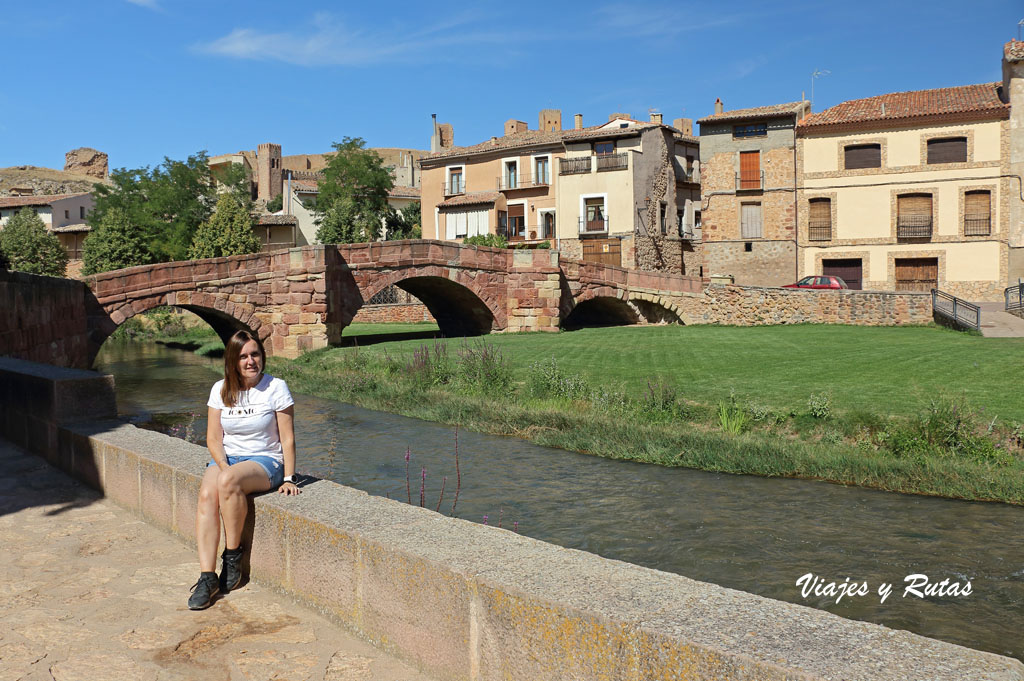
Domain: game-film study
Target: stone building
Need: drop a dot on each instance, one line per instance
(63, 214)
(908, 191)
(624, 192)
(748, 192)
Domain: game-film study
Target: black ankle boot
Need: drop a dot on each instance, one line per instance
(231, 569)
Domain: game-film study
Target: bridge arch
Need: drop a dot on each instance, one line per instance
(612, 306)
(453, 297)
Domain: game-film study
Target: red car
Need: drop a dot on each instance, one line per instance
(827, 281)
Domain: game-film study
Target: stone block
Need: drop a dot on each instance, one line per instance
(186, 501)
(156, 492)
(269, 559)
(121, 476)
(86, 457)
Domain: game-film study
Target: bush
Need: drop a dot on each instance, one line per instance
(731, 416)
(229, 231)
(948, 427)
(430, 366)
(493, 240)
(114, 244)
(661, 398)
(544, 379)
(275, 204)
(819, 406)
(482, 368)
(28, 247)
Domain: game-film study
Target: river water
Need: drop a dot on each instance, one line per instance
(754, 534)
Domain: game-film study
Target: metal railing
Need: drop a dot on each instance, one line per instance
(956, 310)
(454, 188)
(506, 182)
(819, 230)
(749, 182)
(612, 162)
(1014, 295)
(914, 227)
(574, 166)
(593, 226)
(977, 224)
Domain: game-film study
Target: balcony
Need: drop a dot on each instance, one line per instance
(914, 227)
(509, 182)
(574, 166)
(977, 224)
(612, 162)
(819, 230)
(453, 188)
(750, 182)
(593, 226)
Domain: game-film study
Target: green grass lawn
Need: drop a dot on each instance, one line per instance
(885, 370)
(359, 329)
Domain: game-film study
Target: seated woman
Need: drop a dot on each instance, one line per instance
(252, 440)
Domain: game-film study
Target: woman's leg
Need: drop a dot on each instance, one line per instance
(208, 520)
(245, 477)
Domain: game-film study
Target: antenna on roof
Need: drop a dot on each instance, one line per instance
(1019, 24)
(817, 73)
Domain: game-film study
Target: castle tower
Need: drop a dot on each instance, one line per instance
(269, 177)
(1013, 94)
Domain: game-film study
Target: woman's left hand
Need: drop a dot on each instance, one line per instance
(289, 488)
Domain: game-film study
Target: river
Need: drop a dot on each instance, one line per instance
(743, 532)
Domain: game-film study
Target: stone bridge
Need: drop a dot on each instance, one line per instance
(302, 298)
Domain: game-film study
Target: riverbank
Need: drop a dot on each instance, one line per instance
(897, 409)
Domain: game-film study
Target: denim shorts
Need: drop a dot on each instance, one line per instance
(273, 467)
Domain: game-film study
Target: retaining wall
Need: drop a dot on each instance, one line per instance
(43, 319)
(461, 600)
(393, 312)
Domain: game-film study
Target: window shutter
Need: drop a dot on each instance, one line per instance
(750, 169)
(978, 203)
(863, 156)
(750, 221)
(821, 210)
(915, 204)
(948, 150)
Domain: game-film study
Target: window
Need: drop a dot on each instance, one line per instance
(604, 148)
(750, 170)
(517, 221)
(947, 150)
(751, 130)
(681, 222)
(863, 156)
(67, 214)
(460, 224)
(663, 218)
(81, 212)
(819, 225)
(978, 213)
(455, 183)
(595, 220)
(696, 220)
(503, 223)
(542, 170)
(511, 174)
(914, 216)
(547, 225)
(750, 221)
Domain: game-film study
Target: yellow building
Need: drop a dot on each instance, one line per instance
(908, 191)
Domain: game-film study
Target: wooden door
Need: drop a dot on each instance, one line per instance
(917, 274)
(849, 270)
(604, 251)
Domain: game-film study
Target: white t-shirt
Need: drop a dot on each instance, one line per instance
(250, 427)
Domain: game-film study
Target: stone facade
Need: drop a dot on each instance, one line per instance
(86, 161)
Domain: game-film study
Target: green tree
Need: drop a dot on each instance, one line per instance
(405, 223)
(275, 204)
(28, 247)
(353, 200)
(228, 232)
(167, 203)
(114, 244)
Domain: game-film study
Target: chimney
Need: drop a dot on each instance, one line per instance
(684, 125)
(577, 122)
(512, 126)
(616, 116)
(435, 142)
(718, 105)
(656, 118)
(550, 120)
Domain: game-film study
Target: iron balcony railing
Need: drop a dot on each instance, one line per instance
(749, 182)
(956, 310)
(454, 188)
(914, 227)
(612, 162)
(506, 182)
(977, 224)
(819, 230)
(574, 166)
(1014, 295)
(593, 226)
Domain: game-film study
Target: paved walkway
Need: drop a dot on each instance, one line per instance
(997, 323)
(90, 592)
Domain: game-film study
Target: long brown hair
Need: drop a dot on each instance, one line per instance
(233, 383)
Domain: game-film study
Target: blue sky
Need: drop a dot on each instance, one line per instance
(144, 79)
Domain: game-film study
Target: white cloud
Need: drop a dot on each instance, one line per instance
(330, 42)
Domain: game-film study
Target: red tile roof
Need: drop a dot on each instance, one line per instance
(401, 192)
(305, 185)
(1014, 50)
(73, 227)
(965, 102)
(278, 219)
(471, 199)
(757, 112)
(45, 200)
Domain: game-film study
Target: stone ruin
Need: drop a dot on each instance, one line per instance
(86, 161)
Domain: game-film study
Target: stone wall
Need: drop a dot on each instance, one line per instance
(387, 314)
(463, 601)
(756, 306)
(43, 319)
(767, 263)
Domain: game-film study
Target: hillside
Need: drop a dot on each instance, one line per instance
(45, 180)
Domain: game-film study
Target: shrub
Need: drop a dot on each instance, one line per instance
(275, 204)
(545, 379)
(229, 231)
(493, 240)
(731, 416)
(819, 406)
(28, 247)
(430, 366)
(661, 397)
(948, 427)
(482, 367)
